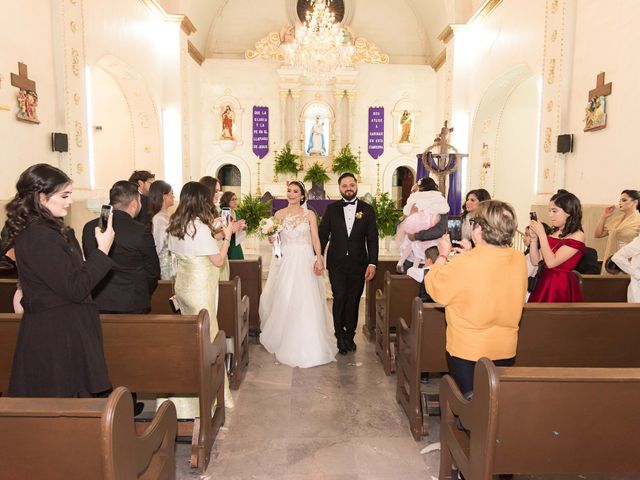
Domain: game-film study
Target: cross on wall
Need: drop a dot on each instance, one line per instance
(601, 89)
(22, 80)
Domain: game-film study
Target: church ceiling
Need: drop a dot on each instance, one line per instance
(405, 29)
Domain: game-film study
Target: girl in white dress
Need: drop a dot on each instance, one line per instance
(293, 308)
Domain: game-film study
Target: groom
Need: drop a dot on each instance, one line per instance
(349, 226)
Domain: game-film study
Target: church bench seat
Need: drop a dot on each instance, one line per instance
(233, 319)
(392, 302)
(371, 287)
(594, 335)
(155, 354)
(250, 273)
(603, 288)
(531, 420)
(62, 438)
(7, 290)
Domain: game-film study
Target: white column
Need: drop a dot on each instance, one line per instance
(284, 94)
(351, 98)
(297, 143)
(337, 126)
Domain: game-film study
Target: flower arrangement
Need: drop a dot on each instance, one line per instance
(271, 228)
(345, 161)
(316, 174)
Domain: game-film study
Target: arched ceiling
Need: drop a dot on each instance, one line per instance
(407, 30)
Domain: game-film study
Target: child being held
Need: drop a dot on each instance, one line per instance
(423, 210)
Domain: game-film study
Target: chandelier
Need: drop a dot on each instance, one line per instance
(321, 48)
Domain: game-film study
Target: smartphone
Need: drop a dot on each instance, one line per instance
(533, 215)
(103, 221)
(454, 227)
(226, 215)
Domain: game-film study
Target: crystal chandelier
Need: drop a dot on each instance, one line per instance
(321, 47)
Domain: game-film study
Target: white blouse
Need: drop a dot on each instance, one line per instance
(628, 259)
(160, 222)
(200, 244)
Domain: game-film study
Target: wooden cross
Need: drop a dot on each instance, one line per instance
(601, 89)
(22, 80)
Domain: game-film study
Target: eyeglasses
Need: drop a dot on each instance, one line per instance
(475, 221)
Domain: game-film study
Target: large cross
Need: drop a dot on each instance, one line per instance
(601, 89)
(22, 80)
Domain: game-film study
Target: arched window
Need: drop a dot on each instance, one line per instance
(230, 178)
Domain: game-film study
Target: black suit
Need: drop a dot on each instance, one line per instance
(143, 215)
(347, 259)
(127, 288)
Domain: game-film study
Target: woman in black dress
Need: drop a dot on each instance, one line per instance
(59, 349)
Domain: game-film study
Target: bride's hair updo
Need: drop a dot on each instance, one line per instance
(303, 191)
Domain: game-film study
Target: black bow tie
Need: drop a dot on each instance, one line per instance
(345, 203)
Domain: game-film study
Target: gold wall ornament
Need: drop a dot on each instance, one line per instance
(73, 2)
(79, 168)
(227, 92)
(486, 125)
(147, 149)
(76, 98)
(75, 62)
(554, 6)
(546, 173)
(73, 26)
(547, 139)
(554, 36)
(368, 52)
(552, 71)
(78, 134)
(144, 120)
(267, 48)
(549, 105)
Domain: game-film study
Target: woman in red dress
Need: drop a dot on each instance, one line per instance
(561, 251)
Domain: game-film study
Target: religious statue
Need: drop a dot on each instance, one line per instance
(595, 115)
(316, 145)
(27, 103)
(405, 123)
(228, 116)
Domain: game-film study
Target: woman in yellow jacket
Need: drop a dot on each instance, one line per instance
(483, 291)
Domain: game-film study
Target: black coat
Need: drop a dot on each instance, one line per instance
(136, 270)
(360, 247)
(59, 349)
(143, 215)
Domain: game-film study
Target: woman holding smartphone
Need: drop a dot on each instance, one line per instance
(59, 350)
(228, 203)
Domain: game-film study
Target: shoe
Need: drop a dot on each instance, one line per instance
(342, 346)
(351, 345)
(343, 351)
(138, 408)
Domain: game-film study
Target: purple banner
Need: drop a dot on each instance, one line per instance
(376, 131)
(260, 131)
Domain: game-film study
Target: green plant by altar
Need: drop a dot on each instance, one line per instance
(345, 161)
(316, 174)
(252, 209)
(286, 161)
(387, 214)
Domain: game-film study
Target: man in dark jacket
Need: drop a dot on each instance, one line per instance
(136, 270)
(143, 179)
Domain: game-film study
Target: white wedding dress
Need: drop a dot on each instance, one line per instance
(293, 308)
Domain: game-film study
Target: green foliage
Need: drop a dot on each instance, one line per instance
(287, 161)
(387, 215)
(252, 210)
(345, 161)
(316, 174)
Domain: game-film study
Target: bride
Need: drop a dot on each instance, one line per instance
(293, 309)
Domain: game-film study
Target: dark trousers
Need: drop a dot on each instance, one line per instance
(462, 371)
(347, 284)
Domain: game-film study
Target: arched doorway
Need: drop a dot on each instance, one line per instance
(230, 178)
(402, 181)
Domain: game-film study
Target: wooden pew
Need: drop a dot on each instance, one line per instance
(155, 354)
(392, 302)
(595, 335)
(233, 319)
(603, 288)
(541, 421)
(250, 273)
(370, 288)
(62, 438)
(7, 289)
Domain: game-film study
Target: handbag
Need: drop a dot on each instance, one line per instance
(533, 281)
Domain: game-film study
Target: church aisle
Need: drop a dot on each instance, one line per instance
(336, 421)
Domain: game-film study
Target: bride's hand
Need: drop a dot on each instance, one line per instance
(318, 267)
(272, 239)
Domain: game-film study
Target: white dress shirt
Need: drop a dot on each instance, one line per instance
(350, 216)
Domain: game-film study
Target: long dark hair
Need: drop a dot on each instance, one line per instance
(480, 193)
(157, 191)
(195, 202)
(427, 184)
(26, 207)
(211, 183)
(568, 202)
(633, 195)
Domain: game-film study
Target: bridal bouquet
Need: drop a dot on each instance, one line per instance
(271, 227)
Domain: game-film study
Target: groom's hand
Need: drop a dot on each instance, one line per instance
(370, 273)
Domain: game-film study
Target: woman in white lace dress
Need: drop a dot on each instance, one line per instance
(293, 308)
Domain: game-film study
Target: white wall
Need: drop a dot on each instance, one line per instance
(604, 162)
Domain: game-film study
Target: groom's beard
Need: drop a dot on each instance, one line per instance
(349, 194)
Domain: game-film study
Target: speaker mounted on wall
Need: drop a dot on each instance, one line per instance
(59, 142)
(565, 143)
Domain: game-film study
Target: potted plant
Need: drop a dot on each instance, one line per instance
(317, 175)
(345, 161)
(387, 215)
(252, 209)
(287, 161)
